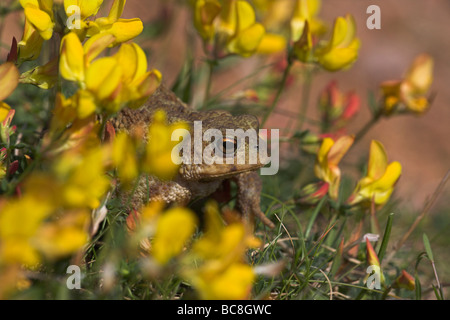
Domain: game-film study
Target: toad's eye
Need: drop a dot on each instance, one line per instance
(228, 147)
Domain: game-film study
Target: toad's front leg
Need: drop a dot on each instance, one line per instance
(248, 197)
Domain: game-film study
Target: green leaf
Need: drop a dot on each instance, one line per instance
(314, 216)
(427, 245)
(436, 292)
(418, 288)
(184, 82)
(387, 234)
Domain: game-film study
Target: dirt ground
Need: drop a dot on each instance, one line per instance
(408, 28)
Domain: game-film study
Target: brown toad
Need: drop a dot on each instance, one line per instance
(195, 181)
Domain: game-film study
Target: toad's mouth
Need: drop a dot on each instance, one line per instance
(212, 172)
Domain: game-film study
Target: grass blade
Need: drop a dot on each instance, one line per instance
(387, 234)
(418, 288)
(314, 216)
(427, 245)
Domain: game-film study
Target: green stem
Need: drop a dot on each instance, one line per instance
(306, 93)
(361, 133)
(278, 94)
(211, 64)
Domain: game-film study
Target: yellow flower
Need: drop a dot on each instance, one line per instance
(4, 110)
(328, 158)
(233, 283)
(275, 13)
(222, 273)
(158, 159)
(173, 230)
(65, 235)
(82, 179)
(205, 12)
(303, 47)
(405, 281)
(124, 158)
(29, 48)
(306, 10)
(39, 13)
(72, 61)
(271, 43)
(238, 29)
(379, 183)
(9, 79)
(342, 50)
(231, 28)
(223, 243)
(19, 221)
(122, 29)
(410, 92)
(28, 230)
(108, 83)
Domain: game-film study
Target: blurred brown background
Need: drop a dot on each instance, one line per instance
(408, 28)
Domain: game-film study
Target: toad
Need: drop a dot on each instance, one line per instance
(198, 180)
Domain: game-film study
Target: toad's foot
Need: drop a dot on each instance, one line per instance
(248, 198)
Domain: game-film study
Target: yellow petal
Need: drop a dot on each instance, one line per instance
(247, 41)
(271, 43)
(325, 147)
(124, 158)
(72, 58)
(47, 6)
(9, 78)
(245, 15)
(390, 177)
(342, 50)
(339, 149)
(339, 58)
(305, 10)
(377, 160)
(173, 230)
(303, 46)
(29, 48)
(40, 20)
(85, 104)
(125, 29)
(4, 110)
(420, 74)
(19, 251)
(87, 7)
(21, 218)
(205, 13)
(25, 3)
(63, 236)
(235, 283)
(116, 10)
(145, 87)
(236, 15)
(96, 44)
(135, 60)
(103, 77)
